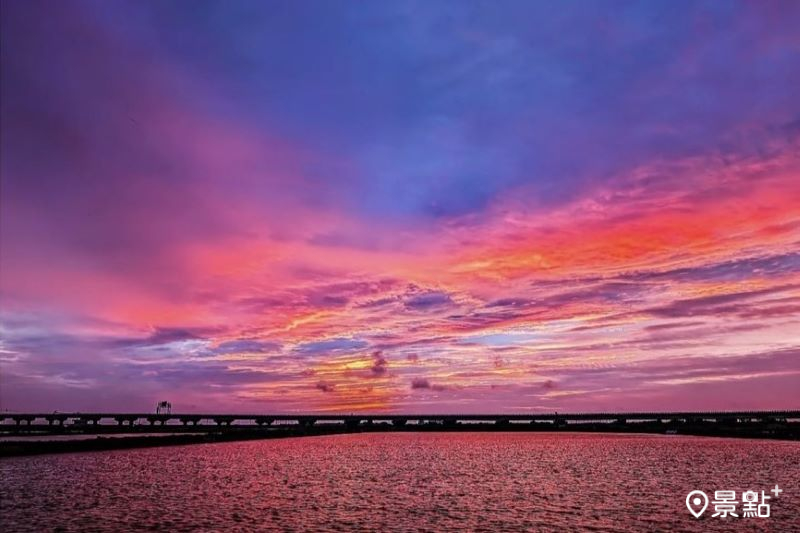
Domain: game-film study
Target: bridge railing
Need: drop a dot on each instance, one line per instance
(351, 419)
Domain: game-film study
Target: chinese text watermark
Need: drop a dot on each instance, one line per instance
(754, 505)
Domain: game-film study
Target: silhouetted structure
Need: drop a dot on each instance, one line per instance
(164, 407)
(164, 416)
(199, 428)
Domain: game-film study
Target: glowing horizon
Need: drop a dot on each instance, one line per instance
(400, 207)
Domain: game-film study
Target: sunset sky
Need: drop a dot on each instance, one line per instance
(280, 206)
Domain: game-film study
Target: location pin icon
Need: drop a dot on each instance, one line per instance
(697, 501)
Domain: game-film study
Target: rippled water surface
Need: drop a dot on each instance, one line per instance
(402, 482)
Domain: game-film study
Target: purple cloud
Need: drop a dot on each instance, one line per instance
(379, 364)
(324, 386)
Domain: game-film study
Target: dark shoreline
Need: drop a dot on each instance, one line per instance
(105, 443)
(102, 442)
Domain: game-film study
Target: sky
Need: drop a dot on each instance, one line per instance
(420, 207)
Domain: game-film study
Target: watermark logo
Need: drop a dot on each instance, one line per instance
(726, 504)
(697, 502)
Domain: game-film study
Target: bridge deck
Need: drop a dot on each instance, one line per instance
(264, 418)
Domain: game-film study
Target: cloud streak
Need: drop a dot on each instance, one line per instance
(471, 216)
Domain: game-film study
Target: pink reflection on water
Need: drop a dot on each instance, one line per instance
(398, 482)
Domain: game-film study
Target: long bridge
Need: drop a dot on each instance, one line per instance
(87, 421)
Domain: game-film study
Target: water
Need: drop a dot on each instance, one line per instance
(402, 482)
